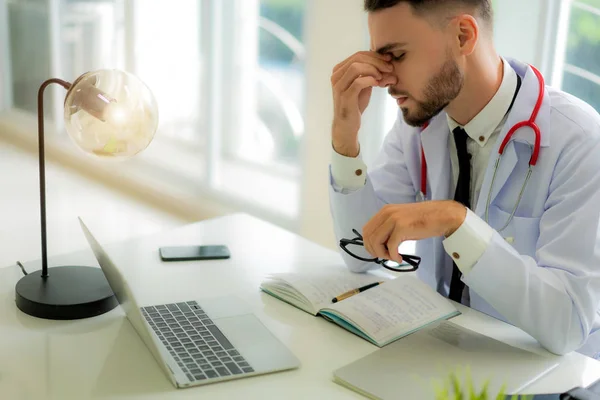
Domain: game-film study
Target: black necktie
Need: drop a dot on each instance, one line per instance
(463, 192)
(463, 196)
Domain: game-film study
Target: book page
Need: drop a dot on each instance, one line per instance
(320, 288)
(394, 308)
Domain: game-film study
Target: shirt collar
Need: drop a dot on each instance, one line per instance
(485, 123)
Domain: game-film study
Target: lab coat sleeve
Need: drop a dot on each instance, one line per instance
(347, 173)
(388, 182)
(468, 243)
(555, 298)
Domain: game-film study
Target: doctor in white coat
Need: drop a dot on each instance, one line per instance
(541, 272)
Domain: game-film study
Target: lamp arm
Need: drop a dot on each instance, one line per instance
(67, 86)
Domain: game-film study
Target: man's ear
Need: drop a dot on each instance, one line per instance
(467, 33)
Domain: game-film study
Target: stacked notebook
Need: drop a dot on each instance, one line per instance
(415, 366)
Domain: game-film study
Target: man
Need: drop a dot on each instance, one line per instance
(524, 249)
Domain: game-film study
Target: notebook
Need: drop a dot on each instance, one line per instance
(381, 315)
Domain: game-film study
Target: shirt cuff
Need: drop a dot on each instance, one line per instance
(348, 172)
(469, 242)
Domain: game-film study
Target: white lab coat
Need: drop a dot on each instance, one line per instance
(547, 282)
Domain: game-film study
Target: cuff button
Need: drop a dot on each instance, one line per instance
(456, 255)
(358, 172)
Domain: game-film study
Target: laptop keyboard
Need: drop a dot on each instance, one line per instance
(194, 341)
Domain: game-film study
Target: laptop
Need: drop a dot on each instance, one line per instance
(199, 341)
(419, 363)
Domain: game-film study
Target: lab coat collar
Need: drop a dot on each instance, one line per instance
(485, 123)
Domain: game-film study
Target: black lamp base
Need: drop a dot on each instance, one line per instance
(71, 292)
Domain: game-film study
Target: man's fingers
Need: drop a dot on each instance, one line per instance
(365, 56)
(392, 245)
(379, 238)
(368, 230)
(379, 229)
(347, 103)
(377, 220)
(377, 249)
(388, 80)
(358, 86)
(380, 65)
(355, 71)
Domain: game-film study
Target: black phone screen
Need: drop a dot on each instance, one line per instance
(188, 253)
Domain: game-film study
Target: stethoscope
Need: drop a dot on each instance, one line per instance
(530, 123)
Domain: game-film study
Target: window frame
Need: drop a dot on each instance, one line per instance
(334, 29)
(216, 21)
(560, 65)
(5, 67)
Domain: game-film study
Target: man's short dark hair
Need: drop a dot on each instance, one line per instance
(421, 7)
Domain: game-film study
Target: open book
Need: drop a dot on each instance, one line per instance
(381, 315)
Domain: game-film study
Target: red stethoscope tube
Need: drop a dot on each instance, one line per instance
(523, 124)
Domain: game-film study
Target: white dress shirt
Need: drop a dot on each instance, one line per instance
(470, 240)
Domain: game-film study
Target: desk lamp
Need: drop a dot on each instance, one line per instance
(110, 114)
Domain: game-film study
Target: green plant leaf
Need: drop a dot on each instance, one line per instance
(484, 391)
(441, 393)
(453, 389)
(501, 395)
(458, 394)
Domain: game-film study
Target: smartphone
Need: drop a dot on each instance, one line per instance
(189, 253)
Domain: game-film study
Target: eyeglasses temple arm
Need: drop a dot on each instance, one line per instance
(412, 260)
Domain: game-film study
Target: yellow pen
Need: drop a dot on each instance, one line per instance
(352, 292)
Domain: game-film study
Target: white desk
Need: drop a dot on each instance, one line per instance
(102, 357)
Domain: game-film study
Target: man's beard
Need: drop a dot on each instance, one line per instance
(440, 91)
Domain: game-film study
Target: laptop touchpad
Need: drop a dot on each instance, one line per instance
(224, 307)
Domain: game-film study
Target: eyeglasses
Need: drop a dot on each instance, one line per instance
(411, 263)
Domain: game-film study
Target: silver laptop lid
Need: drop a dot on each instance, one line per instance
(419, 363)
(124, 296)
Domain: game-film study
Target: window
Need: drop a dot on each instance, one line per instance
(279, 85)
(577, 70)
(228, 76)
